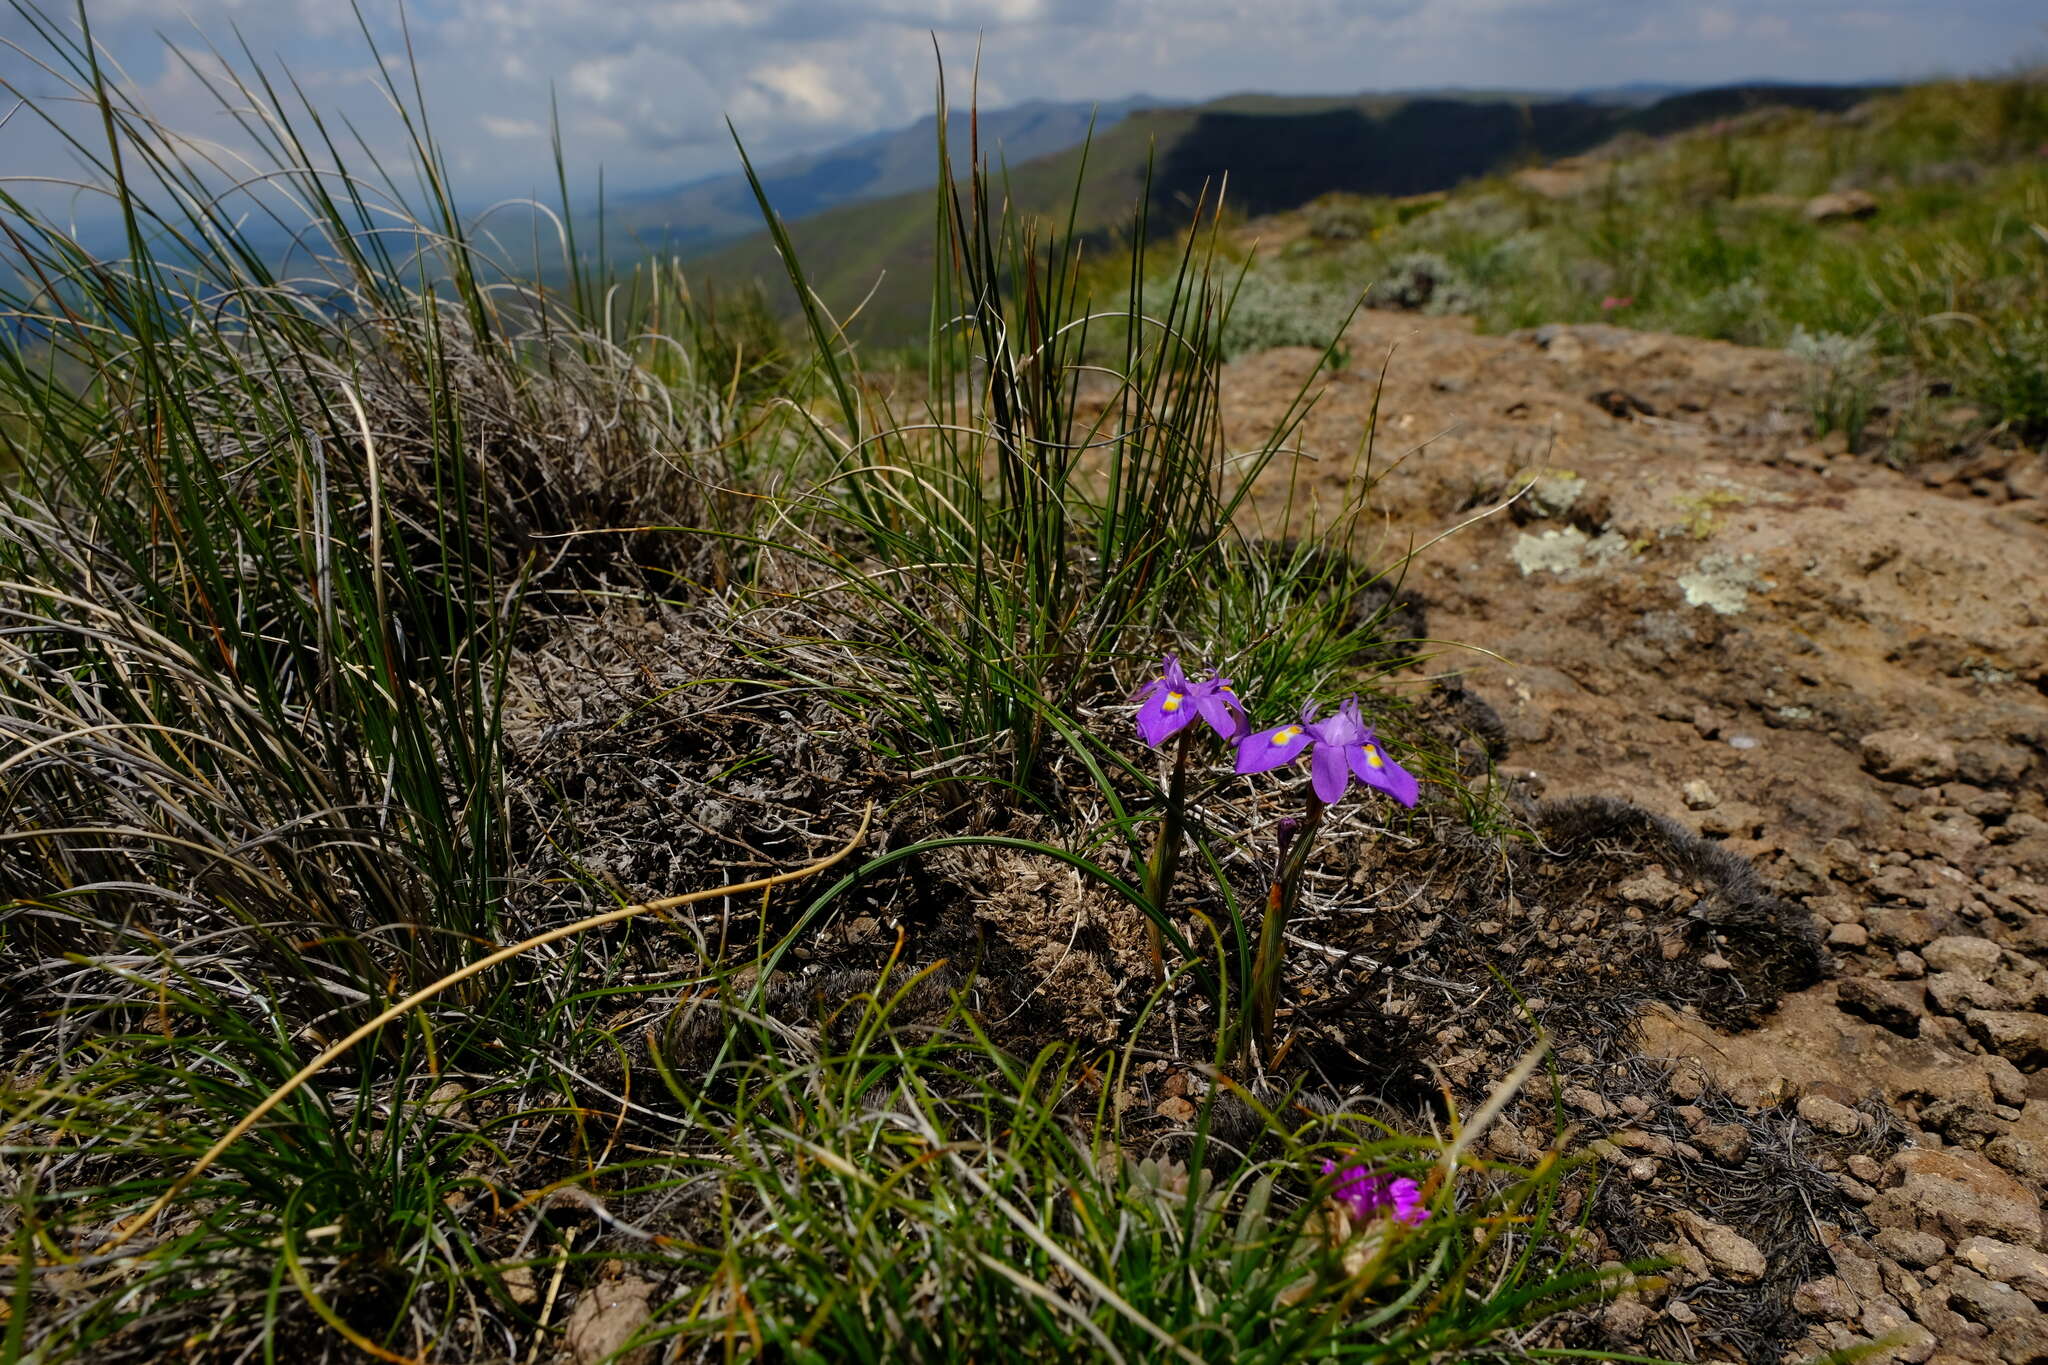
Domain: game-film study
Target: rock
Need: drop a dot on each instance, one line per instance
(1700, 796)
(1850, 936)
(1984, 1300)
(1687, 1082)
(1976, 958)
(518, 1284)
(2018, 1036)
(1992, 765)
(1654, 889)
(1907, 1247)
(2023, 1156)
(1829, 1116)
(1956, 1195)
(1904, 927)
(1627, 1320)
(1909, 756)
(2008, 1082)
(1965, 1122)
(1840, 205)
(1726, 1142)
(1958, 993)
(1586, 1101)
(2029, 478)
(1865, 1168)
(605, 1317)
(2024, 1268)
(1727, 1250)
(1688, 1266)
(2021, 1341)
(1863, 1273)
(1892, 1004)
(1826, 1298)
(1908, 1342)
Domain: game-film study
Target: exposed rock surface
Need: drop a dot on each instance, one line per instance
(1828, 666)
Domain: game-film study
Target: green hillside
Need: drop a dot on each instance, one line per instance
(1902, 247)
(1277, 153)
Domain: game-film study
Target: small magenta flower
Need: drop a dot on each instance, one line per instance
(1365, 1193)
(1345, 747)
(1171, 704)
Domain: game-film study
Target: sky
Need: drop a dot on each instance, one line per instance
(643, 86)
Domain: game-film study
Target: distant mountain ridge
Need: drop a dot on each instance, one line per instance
(721, 208)
(1278, 152)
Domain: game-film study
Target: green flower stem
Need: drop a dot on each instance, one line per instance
(1166, 852)
(1280, 901)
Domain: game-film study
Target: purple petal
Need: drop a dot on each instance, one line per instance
(1343, 729)
(1355, 1187)
(1327, 773)
(1406, 1197)
(1269, 749)
(1219, 707)
(1165, 713)
(1374, 768)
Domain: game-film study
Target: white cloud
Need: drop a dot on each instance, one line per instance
(643, 86)
(508, 128)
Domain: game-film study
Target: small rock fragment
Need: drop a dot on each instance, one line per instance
(1586, 1101)
(1829, 1116)
(1957, 1195)
(1849, 936)
(1890, 1004)
(1687, 1082)
(2024, 1268)
(1826, 1298)
(1700, 796)
(1727, 1250)
(1908, 1247)
(1909, 756)
(1839, 205)
(1653, 889)
(1976, 958)
(1985, 1300)
(605, 1317)
(2019, 1036)
(2021, 1341)
(1727, 1142)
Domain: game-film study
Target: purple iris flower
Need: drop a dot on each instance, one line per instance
(1365, 1193)
(1345, 747)
(1171, 704)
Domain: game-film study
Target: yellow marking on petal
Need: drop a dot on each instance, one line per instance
(1372, 756)
(1172, 702)
(1286, 734)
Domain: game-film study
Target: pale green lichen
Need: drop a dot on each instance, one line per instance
(1723, 582)
(1568, 552)
(1553, 492)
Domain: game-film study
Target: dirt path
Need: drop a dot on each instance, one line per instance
(1838, 671)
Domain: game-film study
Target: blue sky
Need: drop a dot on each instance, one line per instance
(643, 85)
